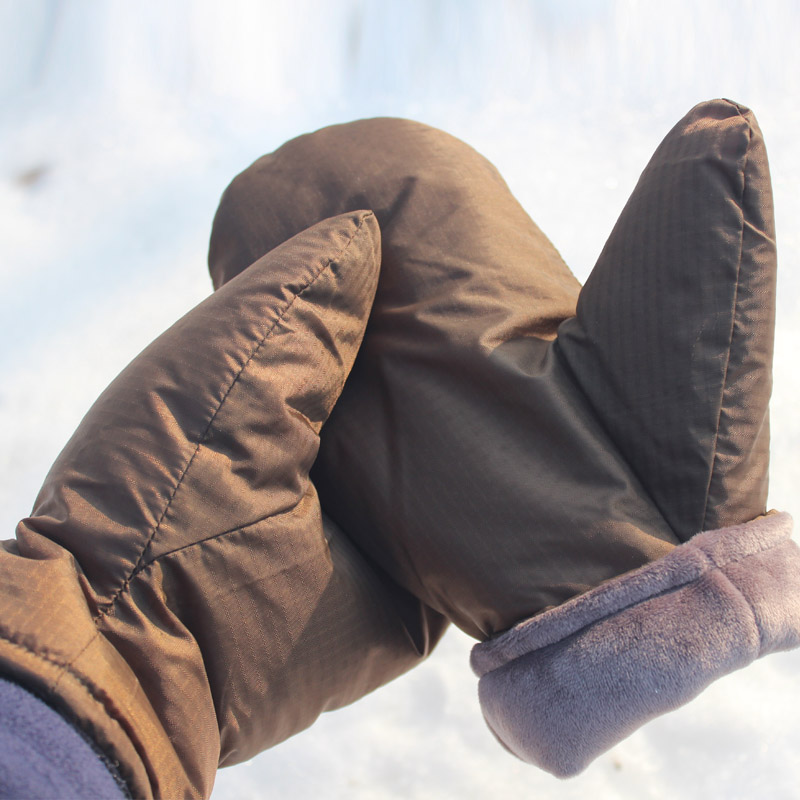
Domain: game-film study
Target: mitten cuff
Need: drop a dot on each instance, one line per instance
(559, 689)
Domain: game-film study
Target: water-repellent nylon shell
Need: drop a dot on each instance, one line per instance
(495, 453)
(179, 592)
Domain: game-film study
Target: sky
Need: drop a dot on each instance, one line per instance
(120, 126)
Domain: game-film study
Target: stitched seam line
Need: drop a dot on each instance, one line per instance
(216, 536)
(68, 665)
(107, 607)
(734, 317)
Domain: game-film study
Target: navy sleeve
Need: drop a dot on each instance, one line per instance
(43, 756)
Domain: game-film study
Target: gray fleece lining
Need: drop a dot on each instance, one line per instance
(564, 686)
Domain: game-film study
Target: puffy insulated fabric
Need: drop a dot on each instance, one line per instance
(673, 337)
(494, 453)
(397, 410)
(177, 592)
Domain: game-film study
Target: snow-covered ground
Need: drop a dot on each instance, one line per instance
(120, 125)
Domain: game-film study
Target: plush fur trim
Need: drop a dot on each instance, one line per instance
(562, 687)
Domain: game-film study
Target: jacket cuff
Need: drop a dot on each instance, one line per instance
(559, 689)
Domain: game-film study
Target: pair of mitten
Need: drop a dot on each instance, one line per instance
(398, 410)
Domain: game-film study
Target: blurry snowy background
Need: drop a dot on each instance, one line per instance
(120, 125)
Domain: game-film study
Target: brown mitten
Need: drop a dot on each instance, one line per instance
(672, 348)
(177, 592)
(503, 445)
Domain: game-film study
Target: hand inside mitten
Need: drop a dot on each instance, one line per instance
(504, 445)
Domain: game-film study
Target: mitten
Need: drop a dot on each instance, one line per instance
(177, 593)
(517, 451)
(671, 346)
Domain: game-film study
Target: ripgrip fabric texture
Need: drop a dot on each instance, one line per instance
(506, 440)
(673, 338)
(398, 410)
(177, 589)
